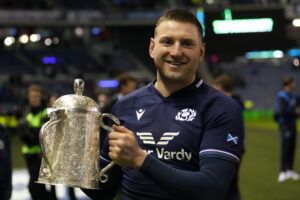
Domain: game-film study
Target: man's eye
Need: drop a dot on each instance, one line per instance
(166, 42)
(187, 43)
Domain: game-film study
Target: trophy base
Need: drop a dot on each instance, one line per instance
(86, 184)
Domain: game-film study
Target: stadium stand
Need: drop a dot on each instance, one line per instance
(259, 81)
(105, 52)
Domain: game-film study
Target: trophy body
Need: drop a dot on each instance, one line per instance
(70, 142)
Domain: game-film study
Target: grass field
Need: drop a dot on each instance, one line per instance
(260, 164)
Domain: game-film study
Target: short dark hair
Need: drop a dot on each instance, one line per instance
(225, 81)
(180, 15)
(287, 80)
(34, 88)
(124, 78)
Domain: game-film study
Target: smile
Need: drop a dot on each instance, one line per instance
(176, 63)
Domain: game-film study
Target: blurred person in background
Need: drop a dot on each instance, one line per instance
(127, 84)
(5, 166)
(34, 116)
(102, 99)
(286, 114)
(52, 99)
(179, 138)
(225, 84)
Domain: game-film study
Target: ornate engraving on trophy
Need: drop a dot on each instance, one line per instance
(70, 142)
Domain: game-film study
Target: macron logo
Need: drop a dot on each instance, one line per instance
(139, 113)
(147, 137)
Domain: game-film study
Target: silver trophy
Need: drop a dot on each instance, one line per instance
(70, 142)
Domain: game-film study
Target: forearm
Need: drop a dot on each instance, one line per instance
(211, 182)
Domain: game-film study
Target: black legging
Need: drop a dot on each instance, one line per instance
(37, 191)
(288, 146)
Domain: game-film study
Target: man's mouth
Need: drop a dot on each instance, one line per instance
(175, 63)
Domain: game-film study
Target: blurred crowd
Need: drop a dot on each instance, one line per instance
(124, 4)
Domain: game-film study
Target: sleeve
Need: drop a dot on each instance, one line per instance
(211, 182)
(223, 135)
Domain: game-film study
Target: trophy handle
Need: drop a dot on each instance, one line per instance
(53, 120)
(110, 116)
(102, 174)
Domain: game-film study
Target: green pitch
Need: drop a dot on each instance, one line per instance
(260, 165)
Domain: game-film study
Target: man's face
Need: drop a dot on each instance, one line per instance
(35, 98)
(129, 87)
(176, 49)
(293, 85)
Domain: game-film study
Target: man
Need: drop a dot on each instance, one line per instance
(286, 114)
(5, 166)
(34, 116)
(179, 138)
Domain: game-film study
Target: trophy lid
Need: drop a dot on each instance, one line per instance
(77, 101)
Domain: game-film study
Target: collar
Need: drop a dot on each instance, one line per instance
(186, 91)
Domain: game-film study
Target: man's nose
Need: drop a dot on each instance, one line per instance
(176, 50)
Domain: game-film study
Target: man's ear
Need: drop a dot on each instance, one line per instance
(202, 52)
(151, 47)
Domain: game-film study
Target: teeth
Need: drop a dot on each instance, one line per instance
(175, 63)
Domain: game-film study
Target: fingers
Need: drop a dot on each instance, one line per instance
(124, 149)
(115, 150)
(118, 136)
(120, 139)
(118, 132)
(121, 129)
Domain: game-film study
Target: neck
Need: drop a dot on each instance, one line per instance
(166, 88)
(228, 94)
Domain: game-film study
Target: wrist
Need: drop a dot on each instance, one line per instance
(140, 158)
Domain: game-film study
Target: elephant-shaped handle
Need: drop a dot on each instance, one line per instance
(54, 114)
(102, 174)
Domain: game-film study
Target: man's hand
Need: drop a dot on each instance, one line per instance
(124, 149)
